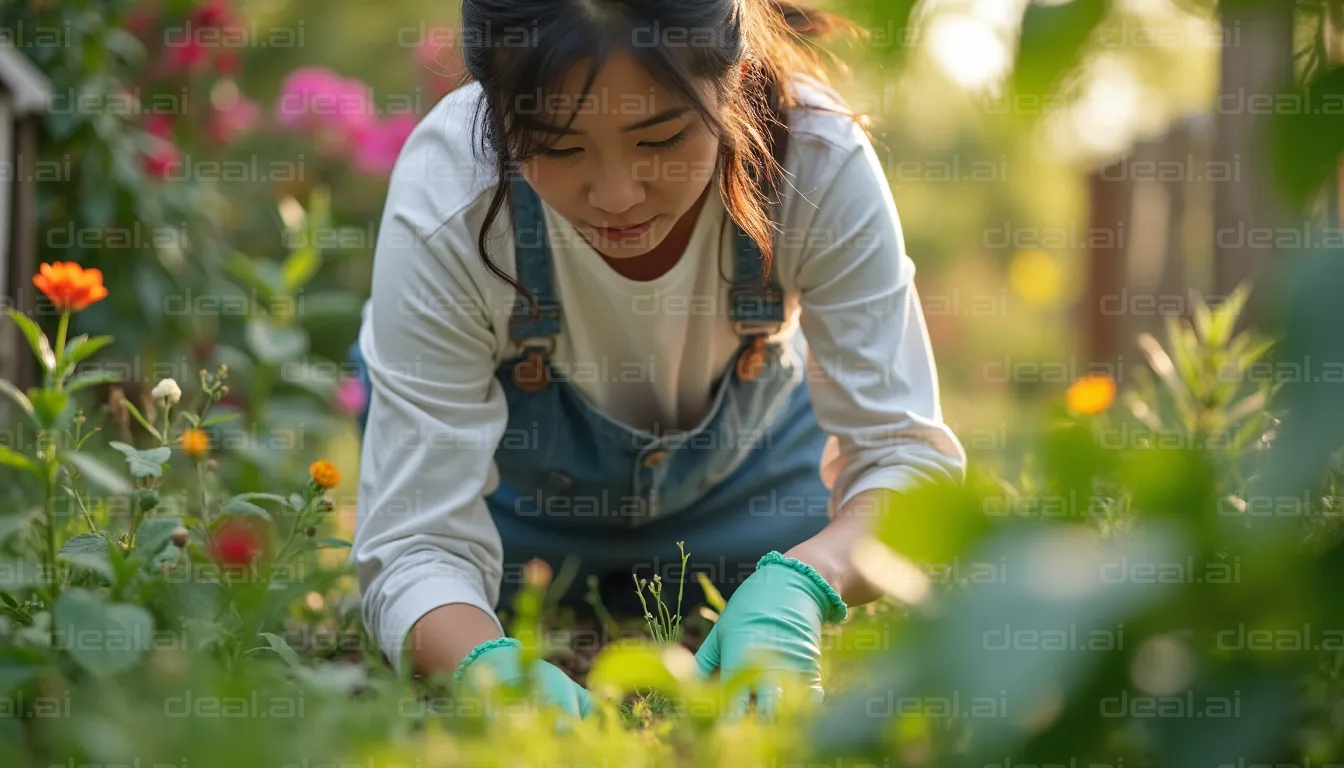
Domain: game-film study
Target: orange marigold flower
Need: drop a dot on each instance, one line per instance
(325, 474)
(1091, 394)
(70, 286)
(195, 443)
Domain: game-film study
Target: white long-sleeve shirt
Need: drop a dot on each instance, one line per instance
(644, 352)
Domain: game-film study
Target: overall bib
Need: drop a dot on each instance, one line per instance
(575, 482)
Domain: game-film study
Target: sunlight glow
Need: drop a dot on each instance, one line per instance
(971, 51)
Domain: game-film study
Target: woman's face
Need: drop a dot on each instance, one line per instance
(632, 162)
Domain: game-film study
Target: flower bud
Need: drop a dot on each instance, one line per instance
(312, 531)
(537, 572)
(211, 465)
(148, 500)
(179, 536)
(167, 389)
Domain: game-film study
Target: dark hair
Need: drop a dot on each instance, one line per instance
(526, 47)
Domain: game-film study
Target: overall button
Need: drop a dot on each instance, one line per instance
(654, 458)
(531, 374)
(752, 360)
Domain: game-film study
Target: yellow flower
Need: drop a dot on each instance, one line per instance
(195, 443)
(1091, 394)
(70, 286)
(325, 474)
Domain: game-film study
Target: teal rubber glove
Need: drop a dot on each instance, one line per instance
(501, 662)
(779, 609)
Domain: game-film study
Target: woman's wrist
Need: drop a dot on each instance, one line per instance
(479, 651)
(439, 642)
(833, 607)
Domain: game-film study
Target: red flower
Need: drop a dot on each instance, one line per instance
(227, 62)
(215, 13)
(161, 161)
(237, 543)
(190, 55)
(160, 125)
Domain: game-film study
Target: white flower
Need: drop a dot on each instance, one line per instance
(167, 388)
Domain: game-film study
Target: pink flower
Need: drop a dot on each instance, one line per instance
(159, 125)
(160, 160)
(214, 13)
(190, 55)
(351, 397)
(228, 124)
(337, 110)
(377, 151)
(163, 153)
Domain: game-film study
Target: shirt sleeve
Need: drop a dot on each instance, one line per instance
(870, 366)
(424, 537)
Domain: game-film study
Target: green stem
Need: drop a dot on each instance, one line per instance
(298, 522)
(205, 496)
(49, 507)
(60, 346)
(88, 518)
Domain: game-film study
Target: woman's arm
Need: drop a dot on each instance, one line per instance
(442, 638)
(871, 372)
(424, 538)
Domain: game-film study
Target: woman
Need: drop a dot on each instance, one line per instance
(604, 319)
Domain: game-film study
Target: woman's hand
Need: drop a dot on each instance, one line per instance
(779, 610)
(500, 662)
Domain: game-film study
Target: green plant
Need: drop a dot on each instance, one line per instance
(666, 626)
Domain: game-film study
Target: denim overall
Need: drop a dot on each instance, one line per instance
(574, 481)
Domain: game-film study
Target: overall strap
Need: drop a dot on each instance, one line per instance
(533, 257)
(755, 307)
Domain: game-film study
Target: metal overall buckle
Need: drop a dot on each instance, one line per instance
(531, 373)
(752, 359)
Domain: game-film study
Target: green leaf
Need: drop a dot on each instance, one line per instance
(125, 45)
(143, 422)
(275, 344)
(619, 669)
(296, 501)
(712, 594)
(88, 379)
(281, 647)
(242, 507)
(299, 268)
(84, 544)
(81, 348)
(154, 534)
(146, 463)
(264, 496)
(1223, 319)
(343, 544)
(12, 458)
(322, 307)
(333, 678)
(1307, 140)
(103, 638)
(1052, 42)
(36, 339)
(17, 396)
(98, 473)
(12, 524)
(220, 419)
(14, 673)
(98, 564)
(51, 407)
(246, 270)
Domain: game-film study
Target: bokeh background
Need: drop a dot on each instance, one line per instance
(1078, 180)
